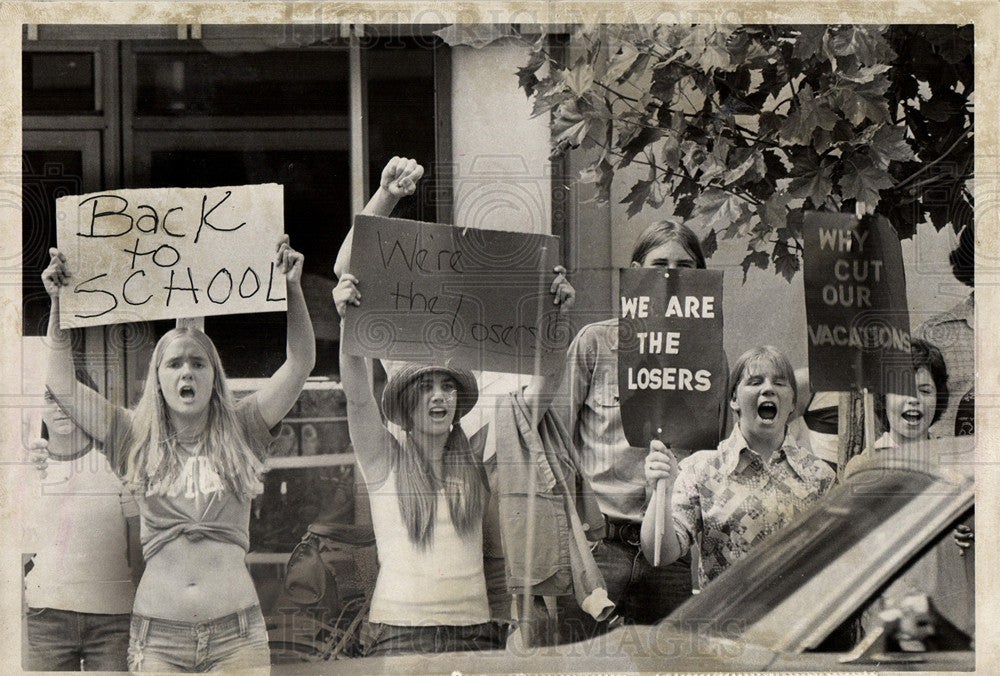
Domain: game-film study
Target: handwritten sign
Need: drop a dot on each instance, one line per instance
(856, 312)
(436, 293)
(671, 363)
(165, 253)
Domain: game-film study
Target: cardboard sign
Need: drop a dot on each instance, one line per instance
(166, 253)
(435, 293)
(856, 312)
(671, 363)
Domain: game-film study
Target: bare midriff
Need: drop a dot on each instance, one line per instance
(195, 581)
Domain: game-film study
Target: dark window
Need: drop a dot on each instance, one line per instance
(236, 109)
(240, 83)
(323, 494)
(401, 115)
(57, 82)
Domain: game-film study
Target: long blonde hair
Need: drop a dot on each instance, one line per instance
(152, 455)
(463, 479)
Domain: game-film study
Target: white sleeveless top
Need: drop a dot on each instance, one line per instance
(443, 584)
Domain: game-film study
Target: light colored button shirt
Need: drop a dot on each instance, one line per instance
(729, 499)
(590, 407)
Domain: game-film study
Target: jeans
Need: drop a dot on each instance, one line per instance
(642, 594)
(391, 639)
(58, 640)
(235, 641)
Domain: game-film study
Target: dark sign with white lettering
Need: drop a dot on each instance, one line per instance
(671, 363)
(856, 313)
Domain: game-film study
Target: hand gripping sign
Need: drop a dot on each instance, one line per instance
(464, 297)
(856, 312)
(671, 363)
(166, 253)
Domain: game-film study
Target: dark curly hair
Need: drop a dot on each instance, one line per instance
(926, 355)
(923, 355)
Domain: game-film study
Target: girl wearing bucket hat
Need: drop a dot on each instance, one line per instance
(427, 490)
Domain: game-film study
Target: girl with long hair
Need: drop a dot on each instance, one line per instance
(192, 456)
(428, 488)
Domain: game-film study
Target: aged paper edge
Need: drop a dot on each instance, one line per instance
(983, 13)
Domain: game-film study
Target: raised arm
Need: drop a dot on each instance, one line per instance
(542, 388)
(279, 393)
(88, 409)
(399, 179)
(369, 436)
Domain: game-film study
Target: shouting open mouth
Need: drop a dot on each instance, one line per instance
(438, 414)
(767, 410)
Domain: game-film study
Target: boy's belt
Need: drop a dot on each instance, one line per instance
(623, 531)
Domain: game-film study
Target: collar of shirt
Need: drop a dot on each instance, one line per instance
(737, 455)
(884, 442)
(607, 333)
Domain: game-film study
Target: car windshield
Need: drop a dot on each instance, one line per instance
(810, 577)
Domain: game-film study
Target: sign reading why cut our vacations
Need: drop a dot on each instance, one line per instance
(165, 253)
(671, 364)
(856, 312)
(465, 297)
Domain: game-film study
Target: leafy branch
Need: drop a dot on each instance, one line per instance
(740, 126)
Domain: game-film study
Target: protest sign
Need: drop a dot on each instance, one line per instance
(671, 363)
(856, 312)
(465, 297)
(166, 253)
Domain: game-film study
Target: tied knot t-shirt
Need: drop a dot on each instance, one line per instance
(196, 503)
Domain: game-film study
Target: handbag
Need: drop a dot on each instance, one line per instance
(306, 575)
(328, 567)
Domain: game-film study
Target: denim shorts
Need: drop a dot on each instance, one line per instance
(391, 639)
(60, 640)
(235, 641)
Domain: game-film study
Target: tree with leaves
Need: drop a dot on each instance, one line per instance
(739, 126)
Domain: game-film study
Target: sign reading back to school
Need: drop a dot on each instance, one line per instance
(856, 312)
(166, 253)
(466, 297)
(671, 363)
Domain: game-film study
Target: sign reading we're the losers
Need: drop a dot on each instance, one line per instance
(165, 253)
(466, 297)
(671, 363)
